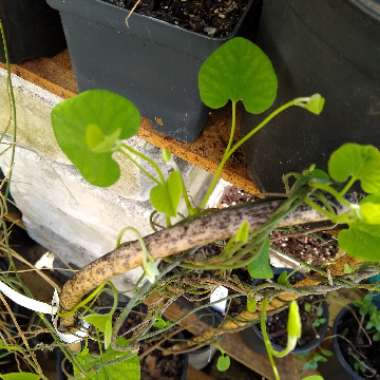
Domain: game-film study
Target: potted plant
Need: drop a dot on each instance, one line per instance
(32, 30)
(89, 139)
(310, 49)
(357, 338)
(152, 53)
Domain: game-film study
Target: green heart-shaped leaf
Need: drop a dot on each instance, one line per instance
(103, 323)
(223, 363)
(88, 126)
(370, 209)
(362, 162)
(259, 267)
(115, 365)
(238, 71)
(98, 142)
(361, 241)
(165, 197)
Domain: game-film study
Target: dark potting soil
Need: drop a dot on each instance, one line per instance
(311, 314)
(318, 248)
(215, 18)
(233, 196)
(359, 347)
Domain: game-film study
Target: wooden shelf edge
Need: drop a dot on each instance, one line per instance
(56, 76)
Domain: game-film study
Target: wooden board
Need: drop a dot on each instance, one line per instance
(56, 75)
(290, 368)
(193, 374)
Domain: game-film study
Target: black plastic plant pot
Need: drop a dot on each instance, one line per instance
(153, 63)
(331, 48)
(341, 323)
(32, 29)
(344, 315)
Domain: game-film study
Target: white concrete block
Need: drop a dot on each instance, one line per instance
(77, 221)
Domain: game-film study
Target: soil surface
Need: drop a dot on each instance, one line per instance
(215, 18)
(361, 347)
(233, 196)
(315, 248)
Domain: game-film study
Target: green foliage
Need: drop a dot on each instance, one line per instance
(313, 377)
(238, 240)
(317, 358)
(294, 329)
(238, 71)
(259, 267)
(160, 323)
(165, 197)
(294, 322)
(359, 162)
(316, 310)
(166, 155)
(20, 376)
(223, 363)
(87, 128)
(242, 234)
(109, 365)
(103, 323)
(283, 279)
(347, 165)
(98, 142)
(362, 238)
(370, 209)
(361, 241)
(313, 104)
(370, 312)
(251, 304)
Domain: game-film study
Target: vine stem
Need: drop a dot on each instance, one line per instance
(153, 164)
(267, 342)
(229, 152)
(195, 232)
(12, 104)
(139, 166)
(347, 187)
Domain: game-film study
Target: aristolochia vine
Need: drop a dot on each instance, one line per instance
(93, 126)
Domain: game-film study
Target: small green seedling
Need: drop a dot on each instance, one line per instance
(370, 312)
(160, 323)
(315, 311)
(317, 358)
(223, 363)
